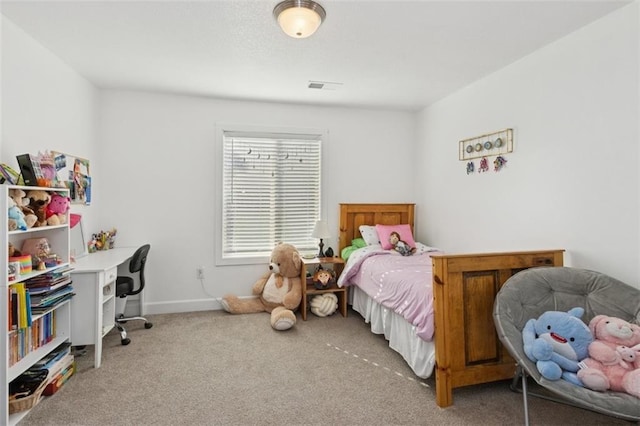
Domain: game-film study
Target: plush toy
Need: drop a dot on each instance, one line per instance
(614, 356)
(324, 304)
(16, 217)
(16, 214)
(38, 201)
(13, 251)
(279, 291)
(323, 278)
(400, 246)
(12, 224)
(557, 342)
(57, 209)
(20, 199)
(628, 358)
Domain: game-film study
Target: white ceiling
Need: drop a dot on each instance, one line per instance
(387, 54)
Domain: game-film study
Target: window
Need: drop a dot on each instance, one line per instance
(271, 191)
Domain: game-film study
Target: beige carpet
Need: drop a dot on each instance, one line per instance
(213, 368)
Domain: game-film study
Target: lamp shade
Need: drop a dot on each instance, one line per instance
(299, 18)
(321, 230)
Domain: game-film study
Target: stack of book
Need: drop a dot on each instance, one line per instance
(59, 366)
(31, 314)
(47, 290)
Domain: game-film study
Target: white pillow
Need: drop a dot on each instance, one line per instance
(369, 234)
(422, 248)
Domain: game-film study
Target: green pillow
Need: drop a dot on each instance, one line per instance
(358, 243)
(346, 252)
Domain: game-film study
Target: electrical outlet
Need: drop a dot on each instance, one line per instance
(200, 272)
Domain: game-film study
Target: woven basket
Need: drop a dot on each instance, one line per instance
(28, 402)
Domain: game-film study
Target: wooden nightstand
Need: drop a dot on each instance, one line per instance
(309, 290)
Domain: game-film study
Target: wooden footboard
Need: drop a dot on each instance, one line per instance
(468, 350)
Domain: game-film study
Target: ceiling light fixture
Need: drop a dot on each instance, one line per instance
(299, 18)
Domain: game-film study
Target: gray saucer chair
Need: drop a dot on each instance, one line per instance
(530, 293)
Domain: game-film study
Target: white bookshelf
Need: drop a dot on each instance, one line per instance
(58, 237)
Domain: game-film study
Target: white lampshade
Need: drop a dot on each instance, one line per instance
(299, 18)
(321, 230)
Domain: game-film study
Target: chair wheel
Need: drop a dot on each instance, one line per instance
(148, 325)
(125, 341)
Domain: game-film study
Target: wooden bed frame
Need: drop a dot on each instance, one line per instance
(468, 350)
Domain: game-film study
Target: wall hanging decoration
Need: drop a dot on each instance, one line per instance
(499, 163)
(75, 174)
(495, 143)
(470, 167)
(484, 165)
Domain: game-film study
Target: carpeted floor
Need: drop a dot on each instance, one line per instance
(213, 368)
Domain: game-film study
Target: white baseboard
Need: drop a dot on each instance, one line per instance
(212, 304)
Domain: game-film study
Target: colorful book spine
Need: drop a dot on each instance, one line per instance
(25, 340)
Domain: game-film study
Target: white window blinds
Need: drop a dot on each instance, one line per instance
(271, 192)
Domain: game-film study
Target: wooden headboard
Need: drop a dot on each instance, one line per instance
(354, 215)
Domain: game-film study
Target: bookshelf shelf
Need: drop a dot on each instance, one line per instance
(33, 357)
(50, 326)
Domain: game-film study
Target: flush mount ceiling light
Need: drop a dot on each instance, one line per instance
(299, 18)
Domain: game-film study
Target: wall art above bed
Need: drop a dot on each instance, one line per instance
(496, 143)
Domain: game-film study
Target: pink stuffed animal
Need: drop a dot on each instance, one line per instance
(614, 356)
(629, 357)
(57, 209)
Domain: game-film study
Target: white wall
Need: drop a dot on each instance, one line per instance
(46, 105)
(571, 183)
(157, 159)
(572, 180)
(153, 167)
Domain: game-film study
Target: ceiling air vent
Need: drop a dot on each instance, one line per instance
(324, 85)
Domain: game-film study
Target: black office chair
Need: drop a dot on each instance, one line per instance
(125, 287)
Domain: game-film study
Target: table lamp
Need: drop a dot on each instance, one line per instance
(321, 230)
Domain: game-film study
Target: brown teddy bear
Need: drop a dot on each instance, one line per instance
(39, 200)
(279, 291)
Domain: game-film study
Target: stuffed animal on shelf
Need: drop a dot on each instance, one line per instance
(38, 202)
(13, 251)
(557, 342)
(614, 356)
(323, 278)
(57, 209)
(20, 199)
(279, 291)
(15, 217)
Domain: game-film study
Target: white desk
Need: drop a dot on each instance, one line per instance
(93, 308)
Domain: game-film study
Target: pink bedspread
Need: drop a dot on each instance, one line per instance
(400, 283)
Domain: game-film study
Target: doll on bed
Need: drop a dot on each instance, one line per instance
(400, 246)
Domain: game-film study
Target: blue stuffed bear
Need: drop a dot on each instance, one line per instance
(557, 342)
(16, 214)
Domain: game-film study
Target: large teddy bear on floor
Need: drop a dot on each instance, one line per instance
(279, 291)
(614, 356)
(557, 342)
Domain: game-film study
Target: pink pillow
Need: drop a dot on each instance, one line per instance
(384, 231)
